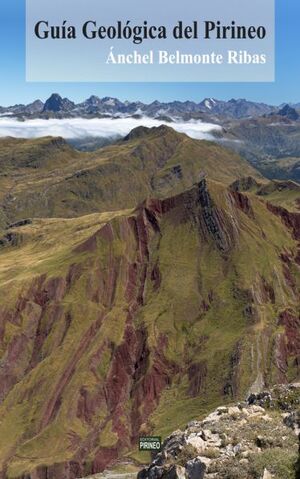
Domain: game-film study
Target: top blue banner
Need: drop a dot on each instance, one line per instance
(136, 41)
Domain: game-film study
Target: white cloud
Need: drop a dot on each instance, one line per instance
(77, 128)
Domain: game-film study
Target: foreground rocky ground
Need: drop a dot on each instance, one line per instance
(251, 440)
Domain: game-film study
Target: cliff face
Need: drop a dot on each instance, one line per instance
(117, 324)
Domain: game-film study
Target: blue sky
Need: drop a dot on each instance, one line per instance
(14, 89)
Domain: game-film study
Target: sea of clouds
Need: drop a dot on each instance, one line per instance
(79, 128)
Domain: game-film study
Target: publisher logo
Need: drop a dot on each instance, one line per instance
(150, 443)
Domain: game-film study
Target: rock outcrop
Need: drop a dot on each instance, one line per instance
(289, 112)
(57, 104)
(249, 440)
(212, 219)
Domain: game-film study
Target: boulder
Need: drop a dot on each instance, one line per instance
(156, 472)
(197, 442)
(263, 399)
(176, 472)
(143, 473)
(212, 439)
(195, 469)
(234, 410)
(159, 459)
(174, 443)
(293, 420)
(267, 475)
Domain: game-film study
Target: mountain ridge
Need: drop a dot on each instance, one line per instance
(142, 285)
(66, 182)
(94, 105)
(89, 320)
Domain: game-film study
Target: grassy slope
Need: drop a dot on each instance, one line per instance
(225, 324)
(287, 199)
(271, 144)
(285, 193)
(282, 168)
(43, 251)
(47, 178)
(191, 269)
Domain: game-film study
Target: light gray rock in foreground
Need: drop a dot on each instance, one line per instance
(257, 439)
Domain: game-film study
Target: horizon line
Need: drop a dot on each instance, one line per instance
(147, 103)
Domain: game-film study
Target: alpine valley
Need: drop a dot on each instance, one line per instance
(146, 283)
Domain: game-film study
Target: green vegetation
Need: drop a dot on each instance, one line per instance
(47, 178)
(135, 319)
(279, 462)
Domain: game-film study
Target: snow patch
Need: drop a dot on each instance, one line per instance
(110, 102)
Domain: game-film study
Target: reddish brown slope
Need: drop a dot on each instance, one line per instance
(137, 322)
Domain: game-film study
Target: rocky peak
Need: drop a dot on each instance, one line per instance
(289, 112)
(93, 100)
(244, 184)
(57, 104)
(143, 131)
(110, 100)
(35, 107)
(208, 103)
(138, 132)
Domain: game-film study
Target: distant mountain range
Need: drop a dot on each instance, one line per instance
(208, 109)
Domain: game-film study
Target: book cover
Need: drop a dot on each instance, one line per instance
(149, 239)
